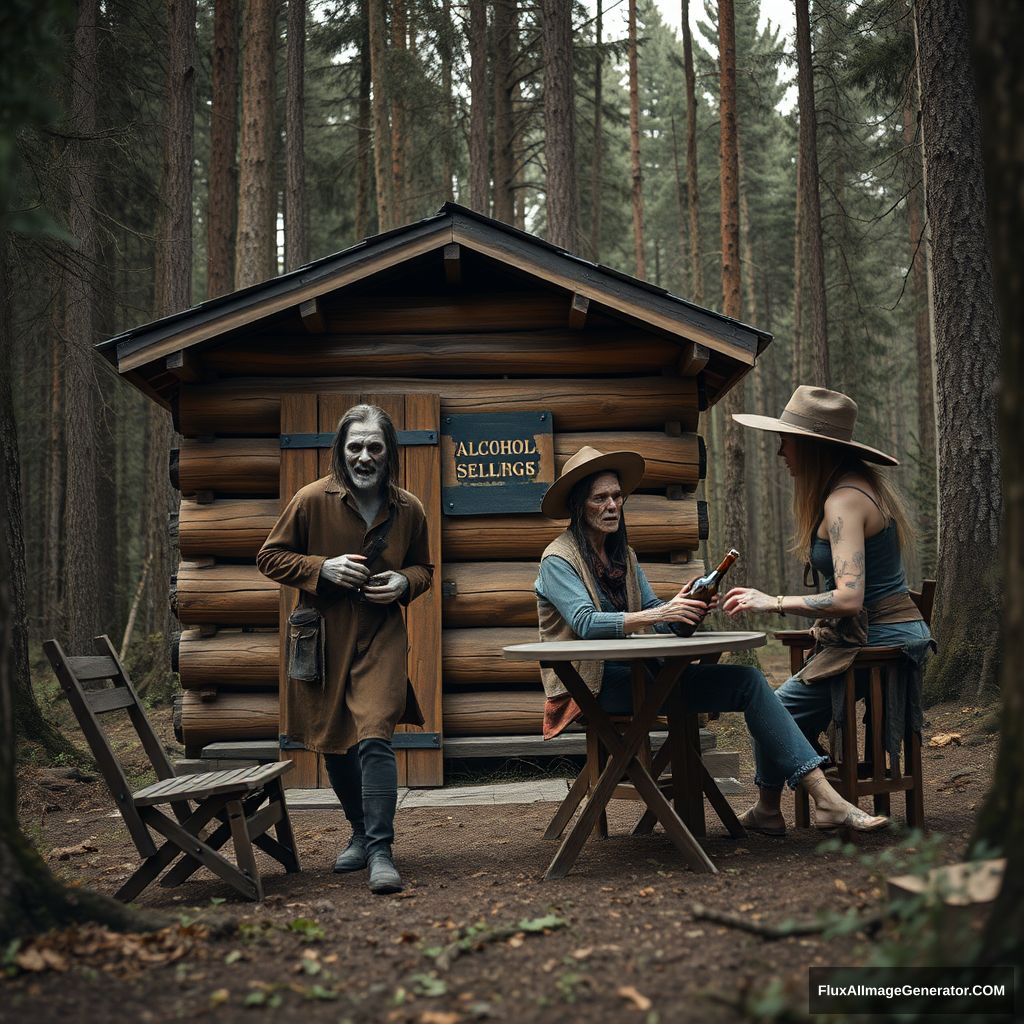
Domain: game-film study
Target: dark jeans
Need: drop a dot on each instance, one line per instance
(782, 753)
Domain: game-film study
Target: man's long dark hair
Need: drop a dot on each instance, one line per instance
(370, 414)
(616, 545)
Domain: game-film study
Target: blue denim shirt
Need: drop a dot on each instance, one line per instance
(559, 584)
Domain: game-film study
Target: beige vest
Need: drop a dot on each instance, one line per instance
(554, 627)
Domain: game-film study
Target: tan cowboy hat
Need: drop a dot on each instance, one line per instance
(820, 414)
(587, 461)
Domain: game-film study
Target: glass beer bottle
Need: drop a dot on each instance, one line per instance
(705, 588)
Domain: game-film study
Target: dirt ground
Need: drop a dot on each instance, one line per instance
(615, 940)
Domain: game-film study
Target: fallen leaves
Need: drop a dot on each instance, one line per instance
(95, 946)
(945, 739)
(629, 993)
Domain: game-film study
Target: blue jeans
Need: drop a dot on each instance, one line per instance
(810, 704)
(782, 754)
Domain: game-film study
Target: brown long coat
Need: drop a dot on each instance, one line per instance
(366, 686)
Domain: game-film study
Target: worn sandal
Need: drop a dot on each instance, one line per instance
(749, 820)
(856, 819)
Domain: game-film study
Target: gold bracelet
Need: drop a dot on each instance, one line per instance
(779, 606)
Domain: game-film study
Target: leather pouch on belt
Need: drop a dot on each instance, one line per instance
(306, 645)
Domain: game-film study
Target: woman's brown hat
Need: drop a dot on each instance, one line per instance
(628, 465)
(819, 414)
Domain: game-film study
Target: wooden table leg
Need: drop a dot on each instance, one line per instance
(622, 760)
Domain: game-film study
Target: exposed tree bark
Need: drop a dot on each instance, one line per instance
(174, 287)
(821, 373)
(399, 122)
(735, 518)
(383, 164)
(51, 617)
(1000, 74)
(597, 147)
(296, 236)
(799, 262)
(968, 605)
(505, 16)
(563, 208)
(692, 186)
(679, 209)
(364, 129)
(635, 170)
(256, 255)
(478, 176)
(222, 210)
(444, 44)
(925, 489)
(31, 899)
(81, 563)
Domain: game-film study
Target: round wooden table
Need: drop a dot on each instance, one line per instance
(691, 781)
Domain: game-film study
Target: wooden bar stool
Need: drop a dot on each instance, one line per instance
(864, 768)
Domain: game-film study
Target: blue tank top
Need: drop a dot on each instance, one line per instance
(883, 574)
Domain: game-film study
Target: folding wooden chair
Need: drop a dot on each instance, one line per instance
(246, 802)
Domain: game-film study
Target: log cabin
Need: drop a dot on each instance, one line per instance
(455, 323)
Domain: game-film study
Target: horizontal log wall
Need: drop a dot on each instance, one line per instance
(224, 595)
(230, 659)
(539, 353)
(254, 716)
(501, 593)
(232, 465)
(251, 408)
(237, 528)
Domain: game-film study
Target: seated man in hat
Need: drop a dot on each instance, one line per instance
(591, 587)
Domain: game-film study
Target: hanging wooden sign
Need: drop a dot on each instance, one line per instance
(496, 462)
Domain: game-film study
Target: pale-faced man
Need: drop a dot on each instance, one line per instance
(355, 544)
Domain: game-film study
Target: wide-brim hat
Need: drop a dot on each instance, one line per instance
(819, 414)
(628, 465)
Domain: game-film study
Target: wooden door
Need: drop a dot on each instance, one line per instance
(416, 417)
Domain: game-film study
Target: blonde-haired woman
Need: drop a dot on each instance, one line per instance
(851, 525)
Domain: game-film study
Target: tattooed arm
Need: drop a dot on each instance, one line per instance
(846, 515)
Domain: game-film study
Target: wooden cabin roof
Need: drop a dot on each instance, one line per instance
(455, 248)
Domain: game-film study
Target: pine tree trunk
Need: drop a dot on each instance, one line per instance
(444, 44)
(562, 206)
(635, 170)
(692, 186)
(174, 291)
(735, 494)
(505, 17)
(51, 619)
(968, 605)
(478, 176)
(256, 255)
(799, 261)
(679, 210)
(821, 373)
(1000, 76)
(597, 154)
(364, 128)
(383, 163)
(399, 122)
(296, 237)
(81, 563)
(222, 209)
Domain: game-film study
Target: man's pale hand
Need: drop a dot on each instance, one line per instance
(392, 586)
(346, 570)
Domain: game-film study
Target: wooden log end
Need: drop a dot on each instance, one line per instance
(703, 523)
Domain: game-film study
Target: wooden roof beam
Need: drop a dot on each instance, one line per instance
(453, 264)
(578, 311)
(185, 366)
(692, 359)
(312, 313)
